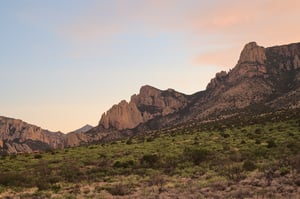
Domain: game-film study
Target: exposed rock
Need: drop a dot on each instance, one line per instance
(253, 53)
(122, 116)
(16, 134)
(296, 62)
(220, 77)
(149, 103)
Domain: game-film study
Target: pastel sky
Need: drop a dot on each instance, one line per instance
(65, 62)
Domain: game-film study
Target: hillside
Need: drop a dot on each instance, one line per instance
(264, 80)
(244, 157)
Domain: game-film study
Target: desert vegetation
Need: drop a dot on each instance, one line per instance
(233, 158)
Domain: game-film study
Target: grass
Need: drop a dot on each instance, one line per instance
(211, 155)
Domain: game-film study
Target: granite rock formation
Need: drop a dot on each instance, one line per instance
(18, 136)
(148, 104)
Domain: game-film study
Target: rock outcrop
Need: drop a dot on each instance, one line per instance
(18, 136)
(148, 104)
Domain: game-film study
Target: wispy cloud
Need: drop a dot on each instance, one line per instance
(216, 23)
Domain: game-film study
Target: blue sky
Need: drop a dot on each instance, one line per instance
(64, 62)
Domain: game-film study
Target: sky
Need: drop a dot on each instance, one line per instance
(65, 62)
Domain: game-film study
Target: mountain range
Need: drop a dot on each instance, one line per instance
(263, 80)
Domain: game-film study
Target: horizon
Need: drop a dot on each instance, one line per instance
(65, 63)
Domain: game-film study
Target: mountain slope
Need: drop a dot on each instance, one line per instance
(18, 136)
(264, 79)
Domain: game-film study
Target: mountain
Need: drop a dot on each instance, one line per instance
(83, 129)
(263, 80)
(17, 136)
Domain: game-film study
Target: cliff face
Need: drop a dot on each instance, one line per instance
(148, 104)
(18, 136)
(260, 74)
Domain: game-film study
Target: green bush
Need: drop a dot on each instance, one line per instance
(38, 156)
(271, 144)
(234, 172)
(149, 160)
(125, 164)
(249, 165)
(195, 155)
(70, 172)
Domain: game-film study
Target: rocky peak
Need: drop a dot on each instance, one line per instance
(122, 116)
(148, 90)
(252, 53)
(148, 104)
(219, 78)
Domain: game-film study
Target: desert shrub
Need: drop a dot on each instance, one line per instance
(129, 141)
(2, 189)
(258, 131)
(120, 189)
(125, 164)
(291, 134)
(159, 181)
(284, 170)
(258, 152)
(234, 172)
(271, 144)
(150, 139)
(42, 184)
(38, 156)
(149, 160)
(226, 147)
(55, 188)
(13, 157)
(244, 131)
(113, 143)
(293, 146)
(195, 155)
(70, 171)
(16, 179)
(3, 156)
(225, 135)
(249, 165)
(235, 156)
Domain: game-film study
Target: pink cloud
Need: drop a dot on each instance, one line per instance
(218, 23)
(225, 58)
